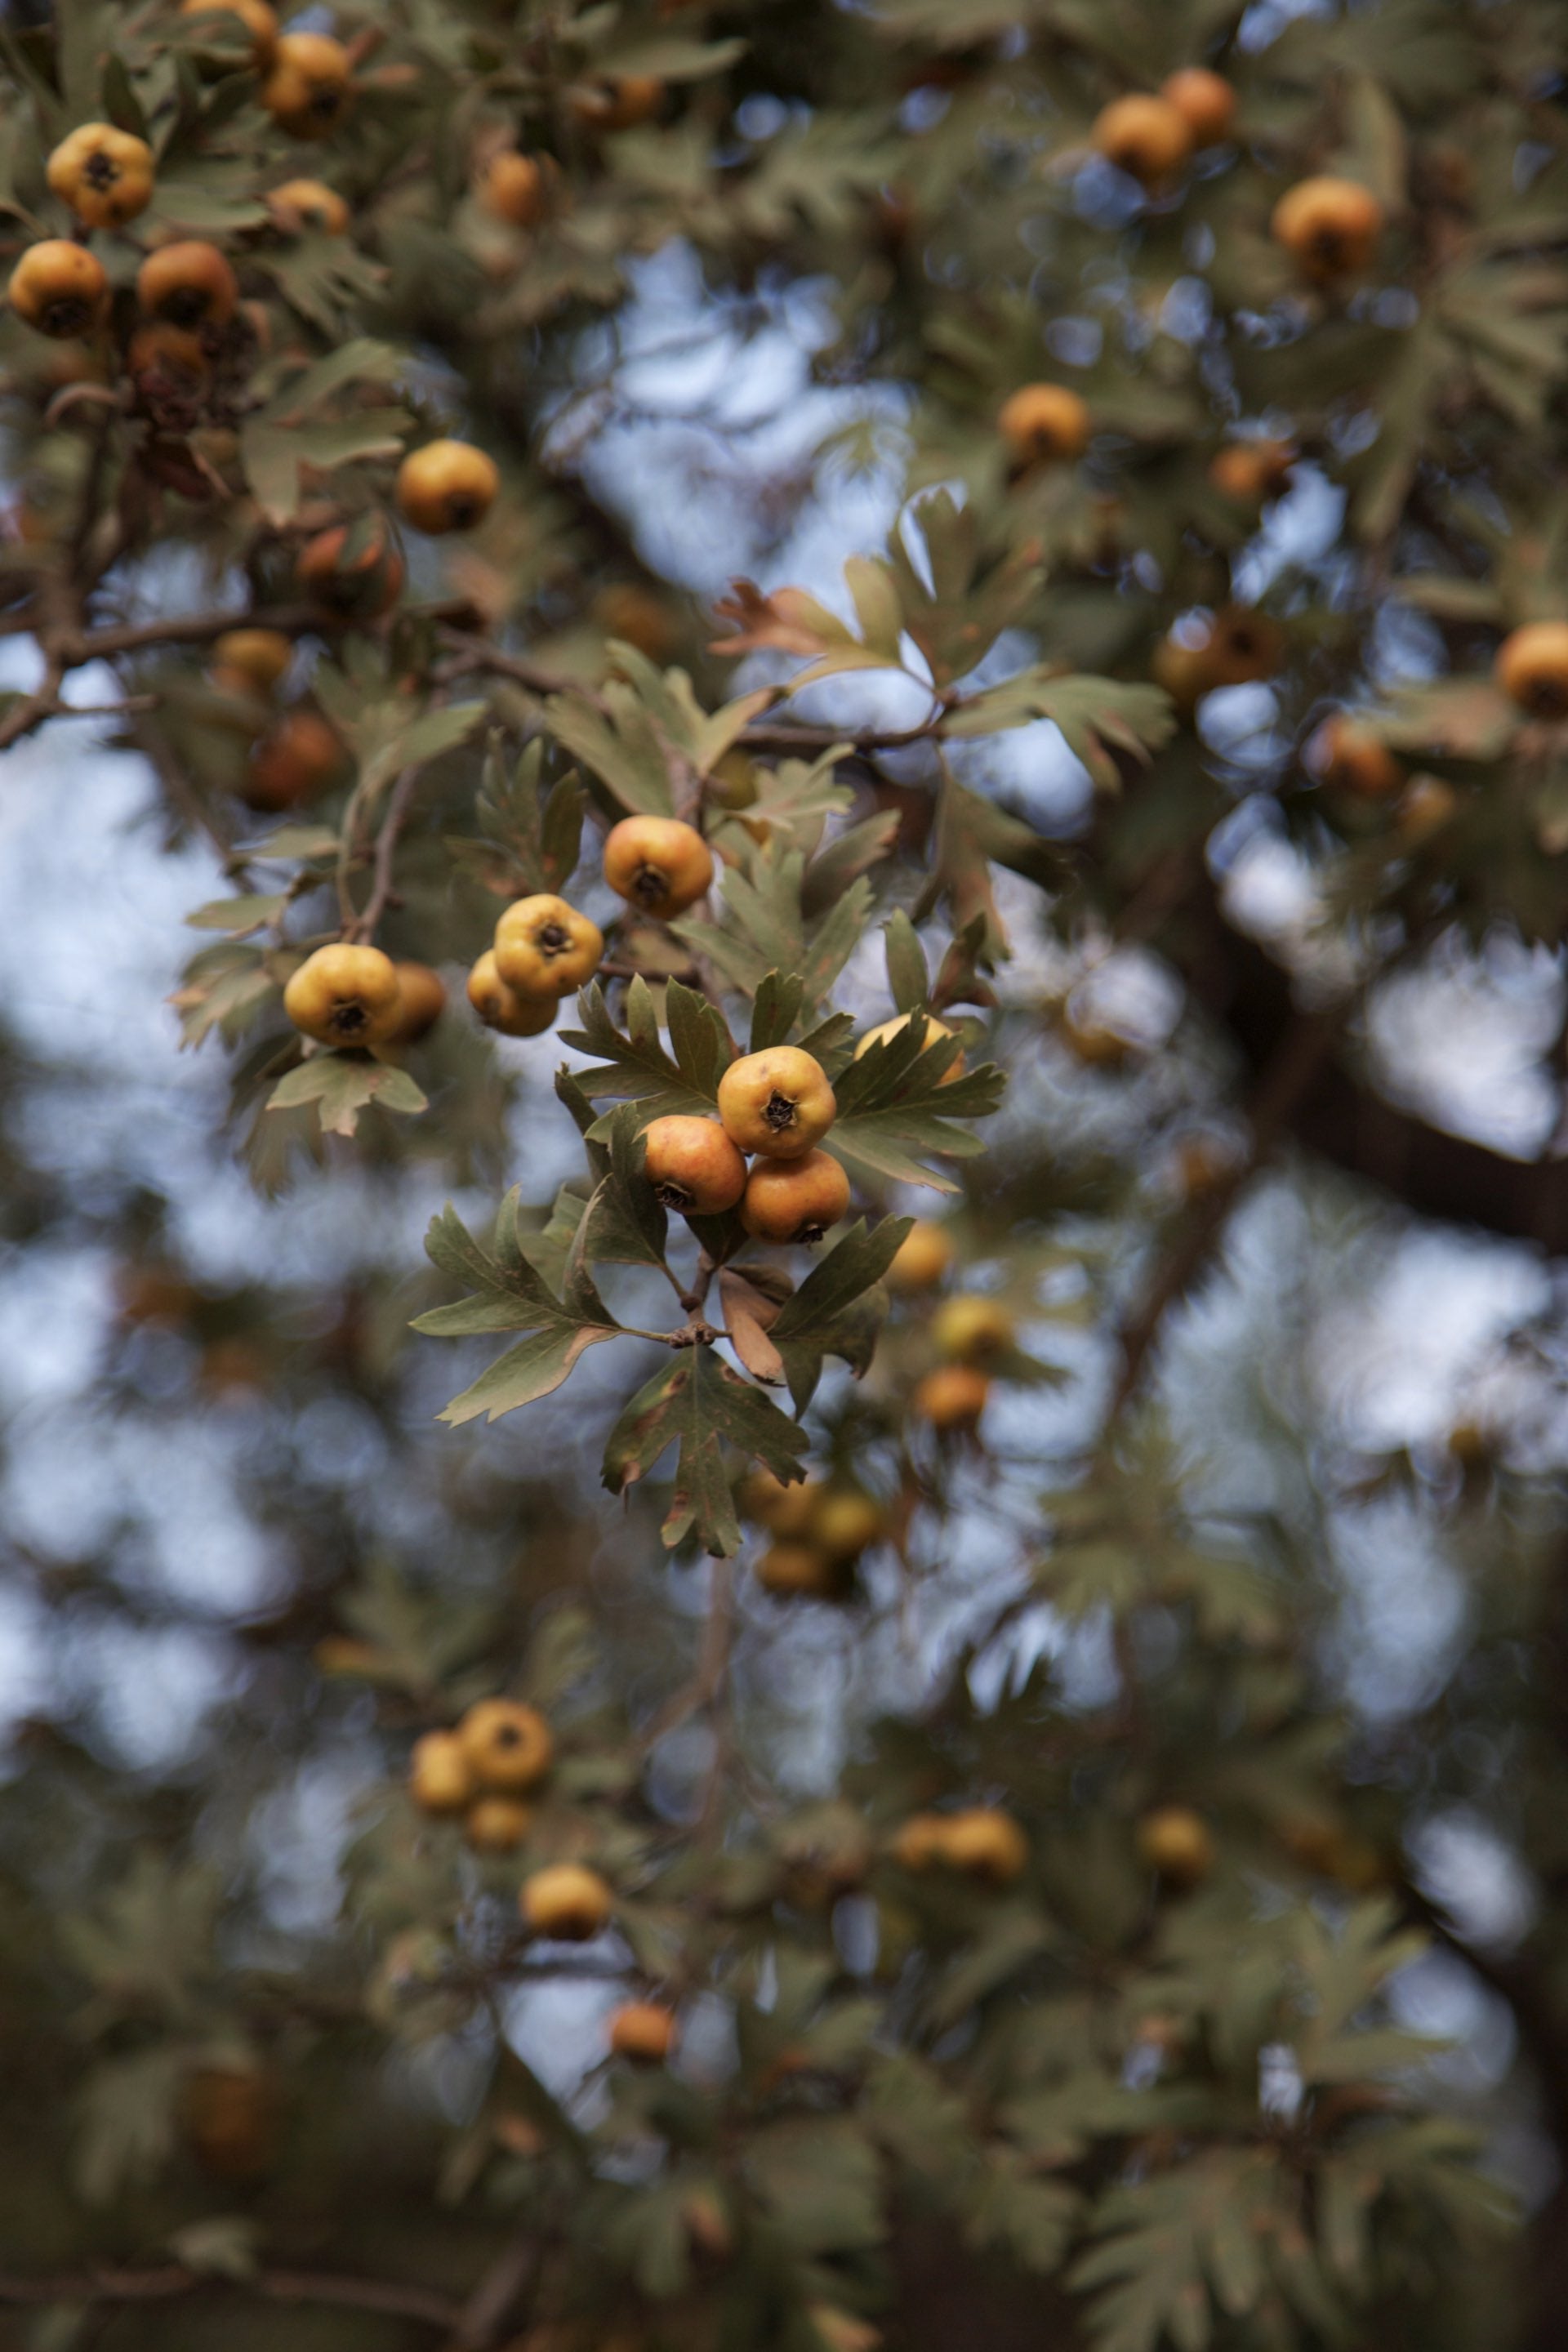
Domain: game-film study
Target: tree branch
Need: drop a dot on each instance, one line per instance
(1301, 1055)
(173, 2283)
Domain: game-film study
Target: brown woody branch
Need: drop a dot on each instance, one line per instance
(173, 2283)
(1302, 1054)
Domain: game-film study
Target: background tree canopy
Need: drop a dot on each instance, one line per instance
(959, 1735)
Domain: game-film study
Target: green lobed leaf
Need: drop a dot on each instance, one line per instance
(699, 1404)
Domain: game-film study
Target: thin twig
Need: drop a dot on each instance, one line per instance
(173, 2283)
(362, 925)
(497, 2296)
(1301, 1053)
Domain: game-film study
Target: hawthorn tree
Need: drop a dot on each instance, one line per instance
(848, 1820)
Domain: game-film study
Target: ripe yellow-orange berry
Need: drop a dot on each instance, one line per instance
(923, 1257)
(843, 1521)
(1043, 423)
(934, 1031)
(545, 948)
(299, 759)
(1532, 668)
(795, 1569)
(618, 101)
(353, 570)
(260, 656)
(230, 2116)
(254, 15)
(1426, 805)
(343, 996)
(643, 2031)
(1178, 1843)
(446, 486)
(970, 1329)
(421, 1001)
(567, 1902)
(950, 1398)
(305, 91)
(496, 1825)
(501, 1008)
(301, 204)
(509, 1746)
(984, 1844)
(794, 1199)
(692, 1166)
(1204, 101)
(917, 1842)
(516, 188)
(658, 864)
(784, 1509)
(1352, 759)
(167, 361)
(189, 284)
(1147, 138)
(1251, 471)
(777, 1103)
(439, 1780)
(1235, 647)
(626, 610)
(105, 175)
(1329, 227)
(58, 287)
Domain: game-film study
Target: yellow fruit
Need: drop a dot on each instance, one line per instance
(1043, 423)
(692, 1166)
(843, 1521)
(789, 1201)
(1329, 227)
(189, 284)
(167, 361)
(1532, 668)
(1204, 101)
(1352, 759)
(58, 287)
(935, 1031)
(230, 2116)
(970, 1329)
(984, 1844)
(618, 101)
(777, 1103)
(421, 1001)
(439, 1780)
(516, 188)
(260, 656)
(509, 1746)
(1147, 138)
(796, 1568)
(545, 948)
(566, 1902)
(950, 1398)
(923, 1257)
(356, 572)
(1251, 471)
(446, 486)
(496, 1825)
(644, 2031)
(1426, 805)
(658, 864)
(344, 997)
(1178, 1843)
(917, 1842)
(298, 759)
(501, 1007)
(103, 175)
(307, 89)
(626, 610)
(300, 205)
(785, 1510)
(256, 17)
